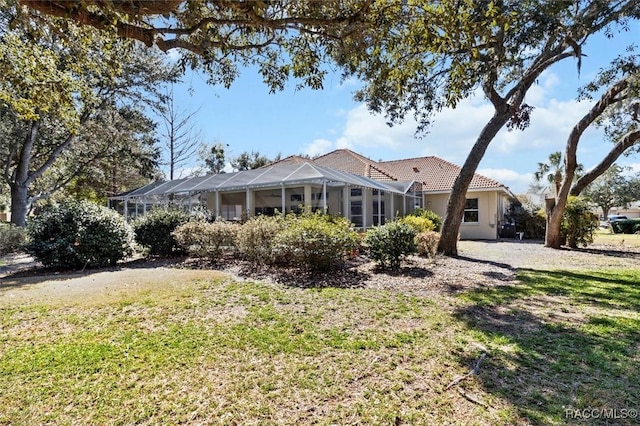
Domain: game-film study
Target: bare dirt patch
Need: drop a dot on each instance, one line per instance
(479, 264)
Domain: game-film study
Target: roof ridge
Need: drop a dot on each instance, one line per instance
(442, 160)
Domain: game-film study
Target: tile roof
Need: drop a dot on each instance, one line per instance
(351, 162)
(435, 174)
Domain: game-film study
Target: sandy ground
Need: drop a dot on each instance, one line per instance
(479, 263)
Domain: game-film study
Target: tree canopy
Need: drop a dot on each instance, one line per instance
(282, 38)
(54, 88)
(436, 53)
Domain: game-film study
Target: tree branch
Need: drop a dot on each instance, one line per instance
(625, 142)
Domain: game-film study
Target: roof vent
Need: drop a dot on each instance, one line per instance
(415, 169)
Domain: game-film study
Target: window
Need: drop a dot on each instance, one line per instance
(356, 213)
(318, 196)
(297, 198)
(231, 211)
(378, 216)
(356, 192)
(375, 192)
(471, 212)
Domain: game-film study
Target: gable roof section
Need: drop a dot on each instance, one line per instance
(351, 162)
(435, 174)
(292, 159)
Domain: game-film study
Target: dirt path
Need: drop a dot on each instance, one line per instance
(480, 263)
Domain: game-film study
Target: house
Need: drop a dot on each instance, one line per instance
(631, 211)
(487, 200)
(341, 182)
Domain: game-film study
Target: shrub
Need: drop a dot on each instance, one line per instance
(255, 239)
(528, 217)
(427, 243)
(79, 234)
(205, 239)
(578, 223)
(626, 226)
(153, 230)
(432, 216)
(390, 243)
(419, 223)
(315, 241)
(12, 238)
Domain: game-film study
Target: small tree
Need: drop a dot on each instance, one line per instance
(390, 243)
(578, 223)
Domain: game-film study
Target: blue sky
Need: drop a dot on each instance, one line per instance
(248, 118)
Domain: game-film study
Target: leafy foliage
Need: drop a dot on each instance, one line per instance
(70, 99)
(579, 223)
(626, 226)
(315, 241)
(528, 217)
(12, 238)
(78, 234)
(204, 239)
(280, 39)
(390, 243)
(154, 230)
(427, 243)
(613, 189)
(432, 216)
(256, 238)
(419, 223)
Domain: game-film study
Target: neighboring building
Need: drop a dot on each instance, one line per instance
(341, 182)
(631, 211)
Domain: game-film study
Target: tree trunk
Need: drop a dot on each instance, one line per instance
(19, 204)
(553, 234)
(448, 244)
(554, 221)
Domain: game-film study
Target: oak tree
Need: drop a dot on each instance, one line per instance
(433, 54)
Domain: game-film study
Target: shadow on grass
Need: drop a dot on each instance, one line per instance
(579, 353)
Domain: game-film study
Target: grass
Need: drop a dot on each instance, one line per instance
(226, 352)
(607, 237)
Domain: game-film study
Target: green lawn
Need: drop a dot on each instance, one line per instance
(606, 237)
(225, 352)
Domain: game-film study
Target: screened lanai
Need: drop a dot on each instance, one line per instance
(279, 188)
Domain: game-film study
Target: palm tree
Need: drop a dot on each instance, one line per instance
(553, 171)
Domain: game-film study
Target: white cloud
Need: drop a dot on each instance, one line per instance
(517, 182)
(318, 147)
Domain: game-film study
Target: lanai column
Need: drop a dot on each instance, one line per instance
(248, 201)
(365, 202)
(324, 195)
(346, 211)
(392, 211)
(283, 199)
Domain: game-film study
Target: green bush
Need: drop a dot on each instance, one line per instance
(12, 238)
(427, 243)
(578, 223)
(255, 239)
(154, 230)
(529, 218)
(79, 234)
(390, 243)
(419, 223)
(315, 241)
(626, 226)
(205, 239)
(428, 214)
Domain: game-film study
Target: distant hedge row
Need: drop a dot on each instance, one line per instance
(626, 226)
